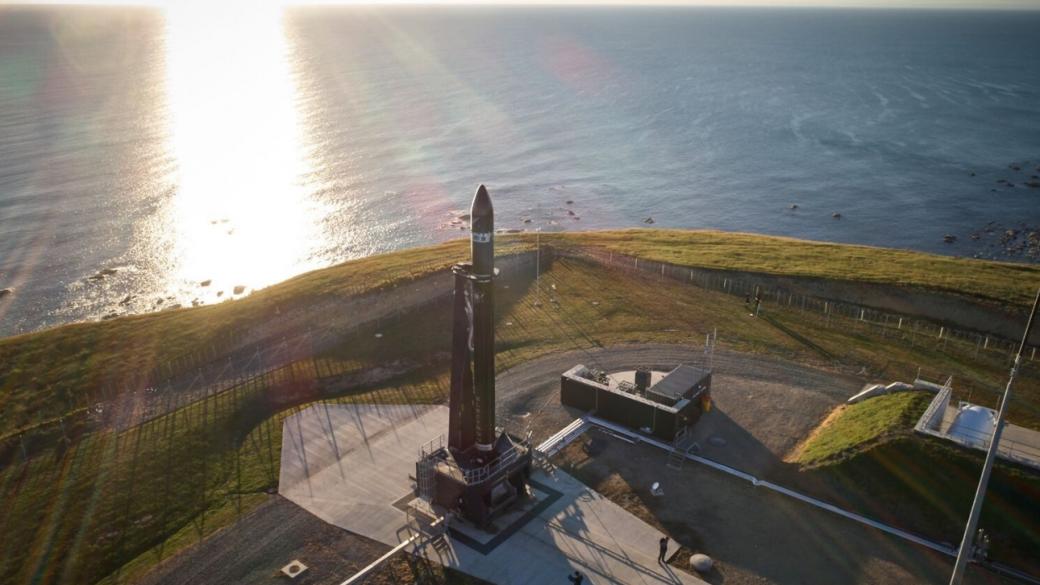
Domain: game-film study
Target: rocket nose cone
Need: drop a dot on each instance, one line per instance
(481, 206)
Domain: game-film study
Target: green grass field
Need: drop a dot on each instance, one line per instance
(859, 426)
(1001, 282)
(110, 505)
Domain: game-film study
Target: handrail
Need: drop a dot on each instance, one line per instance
(357, 577)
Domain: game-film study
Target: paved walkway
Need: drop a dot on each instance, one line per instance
(350, 466)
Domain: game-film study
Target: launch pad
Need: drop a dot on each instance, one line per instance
(353, 465)
(480, 470)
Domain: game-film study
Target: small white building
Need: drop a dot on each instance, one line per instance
(971, 425)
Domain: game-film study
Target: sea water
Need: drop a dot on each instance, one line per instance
(153, 158)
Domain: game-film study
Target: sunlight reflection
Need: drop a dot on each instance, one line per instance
(241, 215)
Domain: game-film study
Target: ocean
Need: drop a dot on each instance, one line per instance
(152, 158)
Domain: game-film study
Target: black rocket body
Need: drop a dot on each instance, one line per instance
(472, 409)
(482, 249)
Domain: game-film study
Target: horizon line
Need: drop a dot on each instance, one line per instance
(918, 5)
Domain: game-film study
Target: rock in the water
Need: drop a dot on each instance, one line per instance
(972, 173)
(701, 563)
(239, 289)
(528, 220)
(126, 300)
(570, 212)
(6, 291)
(949, 238)
(794, 206)
(206, 282)
(648, 220)
(570, 202)
(836, 215)
(220, 293)
(107, 272)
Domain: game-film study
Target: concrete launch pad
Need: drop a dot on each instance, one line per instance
(350, 465)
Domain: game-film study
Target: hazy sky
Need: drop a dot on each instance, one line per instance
(972, 4)
(1033, 4)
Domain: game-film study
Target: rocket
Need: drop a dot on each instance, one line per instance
(472, 402)
(482, 251)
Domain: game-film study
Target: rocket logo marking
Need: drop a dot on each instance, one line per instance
(482, 238)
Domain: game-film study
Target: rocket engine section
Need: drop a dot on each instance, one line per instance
(480, 471)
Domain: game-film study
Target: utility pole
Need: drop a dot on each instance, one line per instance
(966, 548)
(538, 267)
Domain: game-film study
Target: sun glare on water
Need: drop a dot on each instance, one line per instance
(240, 214)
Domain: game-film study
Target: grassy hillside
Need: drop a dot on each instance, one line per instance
(855, 427)
(111, 504)
(867, 457)
(926, 486)
(1002, 282)
(46, 374)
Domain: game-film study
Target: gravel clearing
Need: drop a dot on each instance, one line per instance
(755, 536)
(762, 407)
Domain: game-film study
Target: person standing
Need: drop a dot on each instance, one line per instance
(664, 549)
